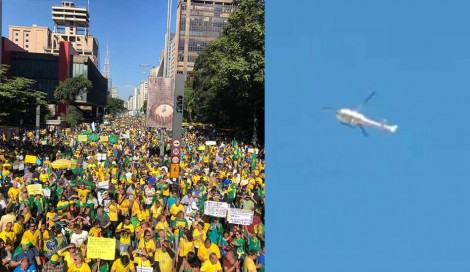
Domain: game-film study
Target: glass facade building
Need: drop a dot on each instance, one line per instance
(198, 23)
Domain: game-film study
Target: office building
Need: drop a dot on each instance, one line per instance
(198, 22)
(33, 39)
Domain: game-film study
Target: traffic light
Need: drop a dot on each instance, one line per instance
(179, 104)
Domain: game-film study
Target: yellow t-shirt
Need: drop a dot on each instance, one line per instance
(185, 247)
(8, 237)
(199, 242)
(249, 265)
(67, 258)
(125, 237)
(82, 194)
(83, 268)
(207, 266)
(18, 229)
(164, 260)
(162, 226)
(43, 177)
(149, 245)
(175, 209)
(139, 262)
(113, 213)
(94, 232)
(13, 194)
(203, 252)
(34, 238)
(118, 267)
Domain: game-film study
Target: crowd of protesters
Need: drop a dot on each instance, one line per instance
(119, 187)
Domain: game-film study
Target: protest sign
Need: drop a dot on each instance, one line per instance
(239, 216)
(82, 138)
(211, 142)
(34, 189)
(30, 159)
(216, 209)
(104, 138)
(101, 248)
(144, 269)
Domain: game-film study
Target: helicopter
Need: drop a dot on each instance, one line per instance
(354, 118)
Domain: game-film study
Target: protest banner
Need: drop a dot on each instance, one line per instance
(101, 248)
(34, 189)
(104, 138)
(30, 159)
(216, 209)
(82, 138)
(211, 143)
(240, 216)
(144, 269)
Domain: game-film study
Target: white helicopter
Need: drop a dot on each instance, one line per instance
(353, 118)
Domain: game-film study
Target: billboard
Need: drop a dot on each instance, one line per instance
(160, 102)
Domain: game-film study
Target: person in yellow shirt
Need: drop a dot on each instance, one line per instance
(83, 192)
(199, 236)
(33, 235)
(13, 193)
(249, 263)
(164, 257)
(68, 253)
(95, 231)
(8, 236)
(156, 210)
(79, 265)
(186, 245)
(43, 177)
(18, 227)
(212, 264)
(205, 251)
(162, 223)
(147, 243)
(123, 264)
(113, 213)
(126, 231)
(141, 258)
(175, 209)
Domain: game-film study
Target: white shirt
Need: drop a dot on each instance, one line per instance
(79, 239)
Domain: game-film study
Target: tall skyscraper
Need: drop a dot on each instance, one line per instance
(106, 71)
(197, 23)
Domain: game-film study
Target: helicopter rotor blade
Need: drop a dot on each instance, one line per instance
(329, 108)
(368, 98)
(364, 132)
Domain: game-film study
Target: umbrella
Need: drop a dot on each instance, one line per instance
(61, 164)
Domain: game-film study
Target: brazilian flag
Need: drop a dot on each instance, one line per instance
(253, 161)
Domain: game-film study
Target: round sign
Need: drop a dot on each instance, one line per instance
(176, 143)
(175, 159)
(176, 151)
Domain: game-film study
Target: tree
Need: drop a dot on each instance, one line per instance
(144, 107)
(73, 116)
(115, 106)
(189, 104)
(229, 74)
(19, 100)
(68, 90)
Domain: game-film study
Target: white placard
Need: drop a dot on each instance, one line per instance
(46, 192)
(103, 185)
(216, 209)
(211, 143)
(144, 269)
(125, 136)
(101, 156)
(240, 216)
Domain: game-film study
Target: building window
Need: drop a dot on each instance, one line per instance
(26, 40)
(26, 46)
(16, 33)
(16, 40)
(26, 34)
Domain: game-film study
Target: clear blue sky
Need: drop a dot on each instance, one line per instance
(338, 201)
(135, 31)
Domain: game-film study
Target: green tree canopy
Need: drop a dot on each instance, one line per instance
(19, 100)
(228, 87)
(68, 90)
(115, 106)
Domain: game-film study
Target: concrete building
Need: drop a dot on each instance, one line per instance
(143, 94)
(71, 24)
(197, 23)
(114, 92)
(34, 39)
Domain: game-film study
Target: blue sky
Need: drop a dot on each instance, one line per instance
(387, 202)
(135, 31)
